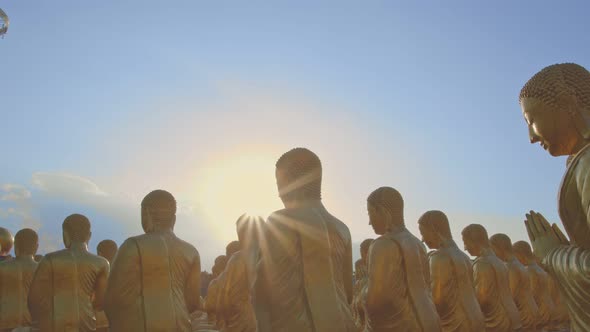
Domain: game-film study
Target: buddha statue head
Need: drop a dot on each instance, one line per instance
(6, 241)
(386, 210)
(107, 249)
(365, 245)
(232, 248)
(502, 246)
(248, 230)
(555, 103)
(435, 229)
(523, 252)
(26, 243)
(158, 211)
(475, 238)
(219, 265)
(76, 229)
(299, 176)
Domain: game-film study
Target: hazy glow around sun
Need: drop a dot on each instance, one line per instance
(233, 185)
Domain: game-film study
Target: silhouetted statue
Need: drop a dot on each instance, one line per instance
(556, 106)
(15, 281)
(520, 284)
(306, 255)
(240, 273)
(492, 282)
(213, 292)
(360, 285)
(540, 284)
(69, 285)
(106, 249)
(6, 242)
(398, 288)
(155, 278)
(451, 276)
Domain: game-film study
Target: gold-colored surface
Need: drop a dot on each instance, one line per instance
(556, 106)
(360, 285)
(106, 249)
(155, 278)
(306, 256)
(235, 304)
(398, 288)
(6, 243)
(491, 280)
(520, 283)
(451, 276)
(210, 305)
(15, 281)
(540, 285)
(69, 284)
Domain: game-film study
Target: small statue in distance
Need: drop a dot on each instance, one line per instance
(106, 249)
(360, 284)
(6, 243)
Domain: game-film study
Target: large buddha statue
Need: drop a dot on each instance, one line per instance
(398, 297)
(540, 284)
(6, 243)
(520, 285)
(69, 285)
(106, 249)
(360, 275)
(15, 280)
(306, 256)
(492, 282)
(555, 103)
(240, 273)
(155, 278)
(451, 276)
(213, 291)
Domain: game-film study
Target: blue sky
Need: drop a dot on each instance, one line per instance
(103, 102)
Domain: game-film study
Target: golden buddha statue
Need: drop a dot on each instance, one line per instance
(235, 303)
(520, 285)
(360, 285)
(555, 103)
(106, 249)
(492, 282)
(213, 292)
(306, 256)
(69, 285)
(561, 320)
(540, 284)
(451, 276)
(155, 278)
(398, 297)
(15, 280)
(6, 243)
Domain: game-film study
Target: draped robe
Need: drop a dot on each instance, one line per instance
(522, 293)
(451, 276)
(63, 288)
(15, 280)
(307, 268)
(154, 284)
(398, 261)
(493, 293)
(235, 304)
(540, 288)
(570, 265)
(359, 289)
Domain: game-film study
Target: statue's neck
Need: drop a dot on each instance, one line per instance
(26, 258)
(302, 203)
(487, 251)
(396, 228)
(79, 246)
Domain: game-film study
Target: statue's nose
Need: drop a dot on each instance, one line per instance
(533, 136)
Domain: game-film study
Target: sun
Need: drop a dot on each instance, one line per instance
(233, 185)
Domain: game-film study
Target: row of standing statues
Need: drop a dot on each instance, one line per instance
(294, 271)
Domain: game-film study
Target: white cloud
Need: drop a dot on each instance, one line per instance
(14, 192)
(65, 184)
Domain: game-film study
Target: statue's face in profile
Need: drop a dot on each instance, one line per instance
(429, 236)
(377, 220)
(470, 246)
(553, 129)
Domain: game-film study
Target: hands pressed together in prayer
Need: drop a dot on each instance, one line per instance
(544, 236)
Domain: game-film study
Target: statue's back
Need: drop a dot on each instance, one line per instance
(15, 279)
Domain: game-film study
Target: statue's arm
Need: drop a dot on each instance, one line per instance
(439, 277)
(192, 292)
(381, 270)
(347, 271)
(232, 273)
(483, 279)
(38, 301)
(100, 287)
